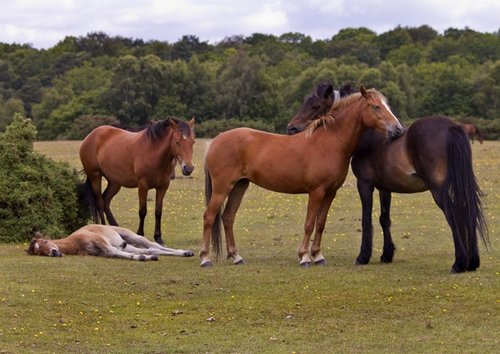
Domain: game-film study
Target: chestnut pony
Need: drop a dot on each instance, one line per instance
(432, 154)
(472, 131)
(103, 241)
(144, 159)
(315, 163)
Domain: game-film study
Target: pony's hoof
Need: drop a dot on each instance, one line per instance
(239, 262)
(142, 258)
(360, 262)
(305, 265)
(189, 253)
(320, 262)
(206, 264)
(154, 258)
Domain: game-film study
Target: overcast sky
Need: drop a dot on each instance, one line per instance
(43, 23)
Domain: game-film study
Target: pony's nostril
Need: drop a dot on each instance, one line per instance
(187, 170)
(292, 130)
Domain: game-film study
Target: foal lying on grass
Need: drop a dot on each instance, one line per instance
(103, 241)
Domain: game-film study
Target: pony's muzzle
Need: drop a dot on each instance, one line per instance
(396, 132)
(55, 253)
(187, 169)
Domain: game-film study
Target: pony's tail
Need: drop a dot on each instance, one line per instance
(462, 198)
(217, 224)
(87, 194)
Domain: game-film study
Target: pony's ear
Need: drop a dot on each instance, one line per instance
(191, 123)
(37, 235)
(173, 125)
(362, 89)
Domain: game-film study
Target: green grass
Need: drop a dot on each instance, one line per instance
(270, 305)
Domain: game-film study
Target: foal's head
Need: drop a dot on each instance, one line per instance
(182, 144)
(40, 246)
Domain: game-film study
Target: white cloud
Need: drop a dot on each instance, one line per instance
(45, 22)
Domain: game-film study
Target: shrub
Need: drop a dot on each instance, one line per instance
(212, 128)
(35, 192)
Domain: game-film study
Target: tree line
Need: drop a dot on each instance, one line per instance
(258, 80)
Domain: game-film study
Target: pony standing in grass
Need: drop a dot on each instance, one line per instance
(315, 163)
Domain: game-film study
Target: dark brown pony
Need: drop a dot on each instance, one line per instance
(144, 159)
(315, 163)
(432, 154)
(472, 131)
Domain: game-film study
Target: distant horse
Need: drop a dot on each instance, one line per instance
(472, 131)
(315, 163)
(432, 154)
(103, 241)
(144, 159)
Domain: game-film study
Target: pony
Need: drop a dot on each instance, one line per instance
(315, 163)
(144, 159)
(472, 131)
(432, 154)
(103, 241)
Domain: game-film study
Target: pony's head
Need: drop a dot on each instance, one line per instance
(316, 105)
(377, 114)
(40, 246)
(182, 143)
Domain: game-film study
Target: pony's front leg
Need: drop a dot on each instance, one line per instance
(317, 256)
(365, 191)
(160, 194)
(315, 199)
(385, 222)
(143, 210)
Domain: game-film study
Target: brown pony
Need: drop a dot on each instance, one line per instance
(432, 154)
(103, 241)
(144, 159)
(315, 163)
(472, 131)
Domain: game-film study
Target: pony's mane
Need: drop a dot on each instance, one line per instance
(158, 130)
(339, 106)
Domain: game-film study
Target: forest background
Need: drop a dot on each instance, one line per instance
(258, 81)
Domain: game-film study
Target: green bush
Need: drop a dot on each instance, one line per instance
(35, 192)
(212, 128)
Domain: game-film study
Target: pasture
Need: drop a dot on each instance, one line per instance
(270, 305)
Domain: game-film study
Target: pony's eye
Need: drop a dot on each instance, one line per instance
(375, 106)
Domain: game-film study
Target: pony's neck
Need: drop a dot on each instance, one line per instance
(348, 128)
(163, 147)
(66, 246)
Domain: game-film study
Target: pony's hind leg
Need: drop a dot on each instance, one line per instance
(111, 190)
(143, 245)
(232, 205)
(96, 181)
(117, 253)
(385, 222)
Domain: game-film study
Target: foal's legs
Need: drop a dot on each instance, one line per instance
(108, 194)
(385, 222)
(365, 191)
(233, 203)
(160, 194)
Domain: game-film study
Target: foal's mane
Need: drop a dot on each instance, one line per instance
(158, 130)
(339, 106)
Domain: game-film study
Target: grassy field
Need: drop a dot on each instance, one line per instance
(269, 305)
